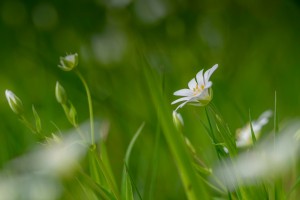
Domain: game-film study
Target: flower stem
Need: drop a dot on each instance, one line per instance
(89, 98)
(27, 124)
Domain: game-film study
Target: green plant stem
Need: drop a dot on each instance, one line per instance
(251, 129)
(211, 130)
(80, 132)
(278, 191)
(27, 124)
(89, 98)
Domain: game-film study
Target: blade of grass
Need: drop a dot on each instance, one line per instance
(126, 187)
(224, 131)
(154, 162)
(278, 189)
(251, 128)
(229, 140)
(107, 178)
(132, 182)
(211, 131)
(193, 187)
(295, 185)
(105, 165)
(102, 192)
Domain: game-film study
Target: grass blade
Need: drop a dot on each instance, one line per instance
(251, 128)
(126, 187)
(193, 187)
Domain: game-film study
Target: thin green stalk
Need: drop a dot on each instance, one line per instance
(251, 128)
(154, 162)
(23, 119)
(226, 134)
(212, 134)
(89, 98)
(278, 190)
(275, 115)
(27, 124)
(210, 127)
(79, 131)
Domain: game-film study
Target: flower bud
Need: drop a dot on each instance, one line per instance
(178, 121)
(72, 115)
(60, 94)
(68, 62)
(14, 102)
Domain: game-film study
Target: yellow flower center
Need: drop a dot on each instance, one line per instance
(198, 89)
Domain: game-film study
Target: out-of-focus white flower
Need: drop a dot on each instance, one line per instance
(178, 120)
(14, 102)
(243, 135)
(263, 162)
(199, 92)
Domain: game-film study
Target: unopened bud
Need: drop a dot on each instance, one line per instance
(60, 94)
(14, 102)
(72, 115)
(178, 121)
(68, 62)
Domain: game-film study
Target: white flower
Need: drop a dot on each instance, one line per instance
(244, 137)
(199, 92)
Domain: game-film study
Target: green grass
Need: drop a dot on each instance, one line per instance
(111, 136)
(89, 172)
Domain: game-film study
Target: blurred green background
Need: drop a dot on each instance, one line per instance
(255, 43)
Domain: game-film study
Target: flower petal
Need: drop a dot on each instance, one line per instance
(192, 84)
(181, 105)
(264, 117)
(181, 99)
(208, 85)
(183, 92)
(209, 72)
(199, 78)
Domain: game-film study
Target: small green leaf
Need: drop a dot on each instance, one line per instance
(73, 115)
(38, 124)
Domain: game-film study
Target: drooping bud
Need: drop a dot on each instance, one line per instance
(68, 62)
(177, 119)
(60, 94)
(14, 102)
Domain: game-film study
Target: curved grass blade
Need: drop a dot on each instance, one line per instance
(126, 187)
